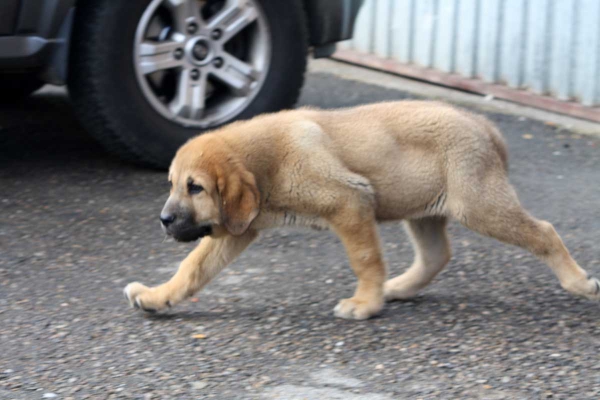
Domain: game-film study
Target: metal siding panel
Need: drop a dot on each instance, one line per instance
(587, 56)
(382, 27)
(489, 40)
(466, 38)
(548, 46)
(402, 30)
(424, 24)
(597, 101)
(346, 44)
(513, 43)
(363, 36)
(562, 48)
(445, 41)
(537, 53)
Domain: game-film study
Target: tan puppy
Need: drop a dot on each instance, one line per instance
(347, 169)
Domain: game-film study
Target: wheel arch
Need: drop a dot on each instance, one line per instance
(330, 22)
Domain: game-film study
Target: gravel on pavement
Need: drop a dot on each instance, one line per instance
(77, 226)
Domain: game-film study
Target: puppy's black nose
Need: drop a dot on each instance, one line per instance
(167, 219)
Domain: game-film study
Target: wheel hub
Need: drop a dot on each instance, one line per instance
(199, 50)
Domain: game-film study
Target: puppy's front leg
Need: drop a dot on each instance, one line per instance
(358, 231)
(199, 267)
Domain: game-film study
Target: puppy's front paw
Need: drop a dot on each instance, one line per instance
(358, 309)
(145, 298)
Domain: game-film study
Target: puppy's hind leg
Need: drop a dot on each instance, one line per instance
(199, 267)
(495, 211)
(432, 253)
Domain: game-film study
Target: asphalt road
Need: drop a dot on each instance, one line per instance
(76, 226)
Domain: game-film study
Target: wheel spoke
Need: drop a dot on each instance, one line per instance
(235, 16)
(184, 12)
(238, 23)
(189, 100)
(156, 56)
(154, 48)
(240, 66)
(236, 74)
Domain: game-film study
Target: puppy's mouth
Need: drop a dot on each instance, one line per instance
(191, 234)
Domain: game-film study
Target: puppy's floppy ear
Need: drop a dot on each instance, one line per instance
(240, 199)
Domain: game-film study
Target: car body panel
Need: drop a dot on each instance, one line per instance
(8, 16)
(35, 33)
(42, 18)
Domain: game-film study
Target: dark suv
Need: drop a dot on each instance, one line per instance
(146, 75)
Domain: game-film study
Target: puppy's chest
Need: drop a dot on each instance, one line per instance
(281, 219)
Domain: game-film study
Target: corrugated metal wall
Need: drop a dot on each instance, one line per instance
(551, 47)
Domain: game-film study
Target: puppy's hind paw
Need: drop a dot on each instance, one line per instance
(588, 288)
(593, 289)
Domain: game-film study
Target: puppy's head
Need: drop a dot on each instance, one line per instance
(211, 191)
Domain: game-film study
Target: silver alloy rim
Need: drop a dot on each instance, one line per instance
(185, 65)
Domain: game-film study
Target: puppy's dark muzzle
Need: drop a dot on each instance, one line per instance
(189, 234)
(204, 230)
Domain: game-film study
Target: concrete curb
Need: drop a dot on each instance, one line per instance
(391, 81)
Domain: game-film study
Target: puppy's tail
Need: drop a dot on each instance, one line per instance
(500, 145)
(497, 139)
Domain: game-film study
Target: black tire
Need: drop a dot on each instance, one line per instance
(103, 87)
(16, 87)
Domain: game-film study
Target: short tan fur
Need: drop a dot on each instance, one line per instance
(347, 170)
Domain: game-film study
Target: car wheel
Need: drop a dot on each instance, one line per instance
(18, 86)
(146, 75)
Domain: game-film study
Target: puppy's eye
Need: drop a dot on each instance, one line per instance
(194, 189)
